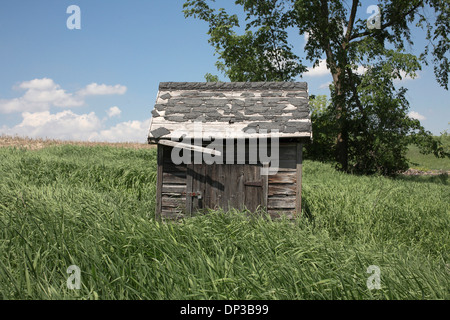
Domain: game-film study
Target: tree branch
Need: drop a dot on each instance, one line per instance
(351, 21)
(390, 23)
(326, 42)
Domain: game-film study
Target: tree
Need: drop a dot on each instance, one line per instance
(260, 55)
(211, 78)
(323, 129)
(369, 113)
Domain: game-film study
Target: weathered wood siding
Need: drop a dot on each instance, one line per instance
(229, 185)
(172, 185)
(282, 193)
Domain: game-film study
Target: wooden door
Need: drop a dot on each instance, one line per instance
(255, 188)
(225, 186)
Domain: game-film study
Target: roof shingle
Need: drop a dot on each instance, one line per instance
(231, 109)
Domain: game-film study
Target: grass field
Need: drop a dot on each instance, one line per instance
(93, 206)
(426, 162)
(429, 162)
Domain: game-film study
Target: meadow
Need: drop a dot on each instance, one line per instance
(428, 162)
(93, 206)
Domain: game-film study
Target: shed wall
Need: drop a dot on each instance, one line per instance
(283, 192)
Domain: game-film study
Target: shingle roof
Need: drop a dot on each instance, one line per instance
(231, 109)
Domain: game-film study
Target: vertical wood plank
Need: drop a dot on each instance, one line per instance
(221, 195)
(159, 181)
(227, 196)
(298, 205)
(213, 186)
(253, 194)
(208, 189)
(265, 185)
(235, 186)
(240, 190)
(189, 182)
(249, 193)
(198, 185)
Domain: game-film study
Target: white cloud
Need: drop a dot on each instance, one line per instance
(130, 131)
(360, 70)
(322, 70)
(94, 89)
(319, 70)
(38, 122)
(43, 94)
(406, 77)
(325, 85)
(67, 125)
(40, 95)
(305, 38)
(416, 115)
(39, 84)
(64, 125)
(113, 112)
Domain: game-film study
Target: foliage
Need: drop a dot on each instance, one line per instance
(260, 55)
(94, 207)
(387, 133)
(368, 117)
(211, 78)
(426, 162)
(322, 147)
(427, 144)
(382, 125)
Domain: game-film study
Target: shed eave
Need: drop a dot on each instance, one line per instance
(303, 135)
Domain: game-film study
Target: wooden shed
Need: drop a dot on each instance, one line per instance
(230, 145)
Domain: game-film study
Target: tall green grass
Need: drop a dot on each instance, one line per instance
(421, 161)
(94, 207)
(426, 162)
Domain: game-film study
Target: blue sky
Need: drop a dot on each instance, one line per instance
(100, 82)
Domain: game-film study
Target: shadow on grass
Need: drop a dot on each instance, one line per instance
(436, 179)
(306, 211)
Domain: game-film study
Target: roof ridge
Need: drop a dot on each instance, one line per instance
(168, 86)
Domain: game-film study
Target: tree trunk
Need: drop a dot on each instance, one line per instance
(342, 147)
(337, 63)
(342, 136)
